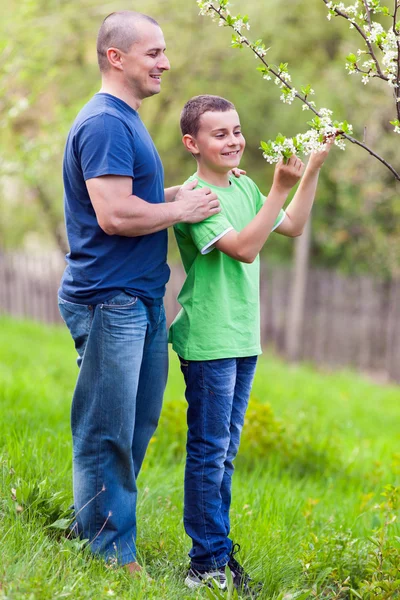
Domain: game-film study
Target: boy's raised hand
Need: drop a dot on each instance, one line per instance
(317, 159)
(287, 174)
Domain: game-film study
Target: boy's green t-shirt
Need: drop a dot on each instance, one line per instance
(220, 299)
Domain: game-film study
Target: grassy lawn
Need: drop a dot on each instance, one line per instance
(314, 497)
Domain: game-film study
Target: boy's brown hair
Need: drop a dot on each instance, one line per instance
(197, 106)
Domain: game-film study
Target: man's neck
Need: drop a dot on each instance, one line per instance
(212, 177)
(121, 92)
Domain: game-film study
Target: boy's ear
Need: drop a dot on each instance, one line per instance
(190, 144)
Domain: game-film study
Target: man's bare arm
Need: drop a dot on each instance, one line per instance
(119, 212)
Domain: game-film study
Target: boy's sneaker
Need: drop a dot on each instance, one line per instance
(196, 578)
(242, 580)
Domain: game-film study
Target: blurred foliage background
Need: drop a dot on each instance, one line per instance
(49, 70)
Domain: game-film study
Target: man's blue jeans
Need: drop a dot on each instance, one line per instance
(217, 392)
(123, 360)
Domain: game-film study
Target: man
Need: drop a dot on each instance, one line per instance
(112, 289)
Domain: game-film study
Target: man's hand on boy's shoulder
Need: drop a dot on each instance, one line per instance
(196, 204)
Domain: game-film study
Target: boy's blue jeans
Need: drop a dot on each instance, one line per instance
(217, 392)
(122, 348)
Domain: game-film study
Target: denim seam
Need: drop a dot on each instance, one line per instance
(160, 316)
(97, 512)
(202, 384)
(62, 301)
(90, 315)
(202, 472)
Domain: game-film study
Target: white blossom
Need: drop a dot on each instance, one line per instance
(288, 97)
(340, 143)
(325, 112)
(350, 67)
(238, 25)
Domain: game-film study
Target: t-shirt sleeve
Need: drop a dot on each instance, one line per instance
(208, 232)
(260, 201)
(105, 147)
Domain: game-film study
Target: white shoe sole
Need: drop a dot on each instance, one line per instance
(192, 584)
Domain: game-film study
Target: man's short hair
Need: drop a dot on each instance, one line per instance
(197, 106)
(119, 30)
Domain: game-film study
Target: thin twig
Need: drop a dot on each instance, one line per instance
(277, 74)
(104, 524)
(103, 489)
(368, 14)
(374, 154)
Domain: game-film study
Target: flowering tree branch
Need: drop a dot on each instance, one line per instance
(334, 9)
(322, 124)
(373, 34)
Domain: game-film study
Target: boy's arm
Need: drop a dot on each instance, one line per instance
(299, 209)
(246, 244)
(171, 192)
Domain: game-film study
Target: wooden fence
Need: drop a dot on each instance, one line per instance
(347, 321)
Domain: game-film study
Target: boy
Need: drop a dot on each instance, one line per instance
(217, 333)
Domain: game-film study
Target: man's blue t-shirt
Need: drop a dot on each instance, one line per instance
(109, 138)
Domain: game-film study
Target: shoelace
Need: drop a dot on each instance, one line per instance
(235, 549)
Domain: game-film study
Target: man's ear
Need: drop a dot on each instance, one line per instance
(190, 144)
(114, 58)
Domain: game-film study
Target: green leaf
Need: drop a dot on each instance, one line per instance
(315, 123)
(236, 43)
(265, 146)
(60, 524)
(351, 58)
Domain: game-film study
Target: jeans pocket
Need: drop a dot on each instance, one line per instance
(121, 300)
(71, 305)
(78, 319)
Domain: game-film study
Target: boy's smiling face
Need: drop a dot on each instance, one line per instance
(219, 143)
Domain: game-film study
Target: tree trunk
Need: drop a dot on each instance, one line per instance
(295, 315)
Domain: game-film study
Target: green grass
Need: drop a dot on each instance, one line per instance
(318, 451)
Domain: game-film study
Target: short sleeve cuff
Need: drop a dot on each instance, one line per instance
(279, 220)
(211, 244)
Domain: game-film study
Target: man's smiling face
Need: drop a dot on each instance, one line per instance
(145, 62)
